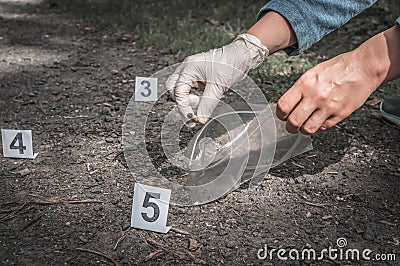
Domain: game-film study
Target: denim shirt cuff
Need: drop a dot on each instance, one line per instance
(312, 20)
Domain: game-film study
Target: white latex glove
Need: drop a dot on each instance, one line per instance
(218, 69)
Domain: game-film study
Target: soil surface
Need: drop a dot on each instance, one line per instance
(70, 84)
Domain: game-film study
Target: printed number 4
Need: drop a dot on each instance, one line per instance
(146, 85)
(20, 146)
(147, 203)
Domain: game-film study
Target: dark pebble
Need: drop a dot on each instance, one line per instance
(369, 234)
(106, 110)
(109, 139)
(375, 205)
(114, 201)
(95, 189)
(359, 231)
(126, 225)
(309, 178)
(124, 261)
(356, 198)
(108, 118)
(221, 231)
(228, 255)
(230, 244)
(98, 207)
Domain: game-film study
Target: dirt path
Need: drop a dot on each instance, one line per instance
(71, 84)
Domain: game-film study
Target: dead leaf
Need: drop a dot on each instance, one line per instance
(326, 217)
(193, 244)
(213, 22)
(24, 172)
(373, 101)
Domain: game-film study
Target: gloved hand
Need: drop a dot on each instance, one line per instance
(218, 69)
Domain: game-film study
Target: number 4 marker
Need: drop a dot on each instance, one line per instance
(17, 143)
(150, 208)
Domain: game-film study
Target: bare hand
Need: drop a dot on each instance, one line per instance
(327, 93)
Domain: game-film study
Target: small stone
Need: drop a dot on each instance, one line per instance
(359, 231)
(124, 261)
(375, 205)
(353, 149)
(114, 201)
(299, 179)
(68, 223)
(24, 172)
(221, 231)
(356, 198)
(326, 217)
(83, 239)
(230, 244)
(308, 214)
(309, 178)
(228, 255)
(369, 234)
(109, 139)
(126, 225)
(108, 119)
(106, 110)
(95, 189)
(98, 207)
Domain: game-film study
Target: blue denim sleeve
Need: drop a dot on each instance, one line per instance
(398, 20)
(312, 20)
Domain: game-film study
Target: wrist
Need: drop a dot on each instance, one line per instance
(380, 55)
(255, 50)
(369, 64)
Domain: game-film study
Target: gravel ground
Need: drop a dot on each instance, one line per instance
(70, 84)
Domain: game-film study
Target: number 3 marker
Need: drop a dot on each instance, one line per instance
(150, 208)
(17, 143)
(145, 89)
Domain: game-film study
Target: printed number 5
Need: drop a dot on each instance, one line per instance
(146, 85)
(20, 146)
(148, 203)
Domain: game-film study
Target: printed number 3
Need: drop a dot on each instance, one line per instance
(146, 85)
(20, 146)
(148, 203)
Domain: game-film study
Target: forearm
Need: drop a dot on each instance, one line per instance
(274, 31)
(381, 54)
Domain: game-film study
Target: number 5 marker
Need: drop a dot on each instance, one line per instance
(150, 208)
(17, 143)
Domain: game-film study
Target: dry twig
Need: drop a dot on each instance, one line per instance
(154, 254)
(121, 238)
(184, 255)
(179, 231)
(27, 205)
(319, 205)
(100, 254)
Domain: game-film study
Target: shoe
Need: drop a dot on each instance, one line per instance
(390, 109)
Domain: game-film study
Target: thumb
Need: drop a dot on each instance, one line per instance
(209, 100)
(184, 98)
